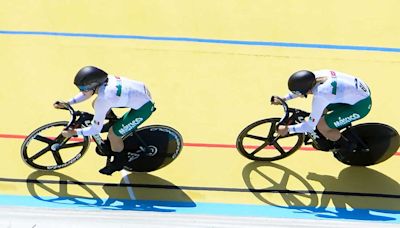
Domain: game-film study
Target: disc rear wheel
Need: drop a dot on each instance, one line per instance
(163, 146)
(382, 142)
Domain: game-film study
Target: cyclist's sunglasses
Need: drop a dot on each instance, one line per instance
(85, 88)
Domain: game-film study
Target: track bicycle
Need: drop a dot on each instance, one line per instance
(149, 148)
(259, 141)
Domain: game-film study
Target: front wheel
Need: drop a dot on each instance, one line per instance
(163, 145)
(257, 141)
(46, 149)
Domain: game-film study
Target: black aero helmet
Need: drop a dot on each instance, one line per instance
(89, 77)
(301, 82)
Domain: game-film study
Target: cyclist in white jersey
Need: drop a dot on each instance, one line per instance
(338, 100)
(112, 92)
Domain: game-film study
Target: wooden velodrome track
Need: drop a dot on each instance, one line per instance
(211, 67)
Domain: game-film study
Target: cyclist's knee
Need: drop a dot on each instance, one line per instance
(330, 133)
(112, 135)
(322, 126)
(117, 144)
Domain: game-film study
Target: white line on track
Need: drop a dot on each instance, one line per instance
(125, 174)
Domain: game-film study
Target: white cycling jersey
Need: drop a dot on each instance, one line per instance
(338, 88)
(118, 92)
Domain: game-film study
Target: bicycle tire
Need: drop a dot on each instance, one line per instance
(246, 150)
(51, 148)
(382, 140)
(165, 142)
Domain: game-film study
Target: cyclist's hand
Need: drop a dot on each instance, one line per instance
(60, 105)
(68, 133)
(283, 130)
(275, 101)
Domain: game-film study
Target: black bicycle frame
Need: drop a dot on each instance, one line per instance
(85, 119)
(294, 116)
(298, 116)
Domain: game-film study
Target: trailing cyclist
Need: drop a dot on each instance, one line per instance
(112, 92)
(338, 100)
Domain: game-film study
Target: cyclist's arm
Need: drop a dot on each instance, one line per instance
(101, 108)
(290, 96)
(318, 107)
(285, 98)
(79, 98)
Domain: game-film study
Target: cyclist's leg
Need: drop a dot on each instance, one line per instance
(333, 134)
(132, 120)
(116, 142)
(128, 123)
(342, 115)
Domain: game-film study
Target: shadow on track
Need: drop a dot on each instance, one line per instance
(151, 193)
(350, 192)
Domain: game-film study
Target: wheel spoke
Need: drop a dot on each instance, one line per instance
(260, 148)
(56, 153)
(57, 157)
(44, 139)
(40, 153)
(272, 130)
(279, 148)
(256, 137)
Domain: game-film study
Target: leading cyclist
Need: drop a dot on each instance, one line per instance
(338, 100)
(112, 92)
